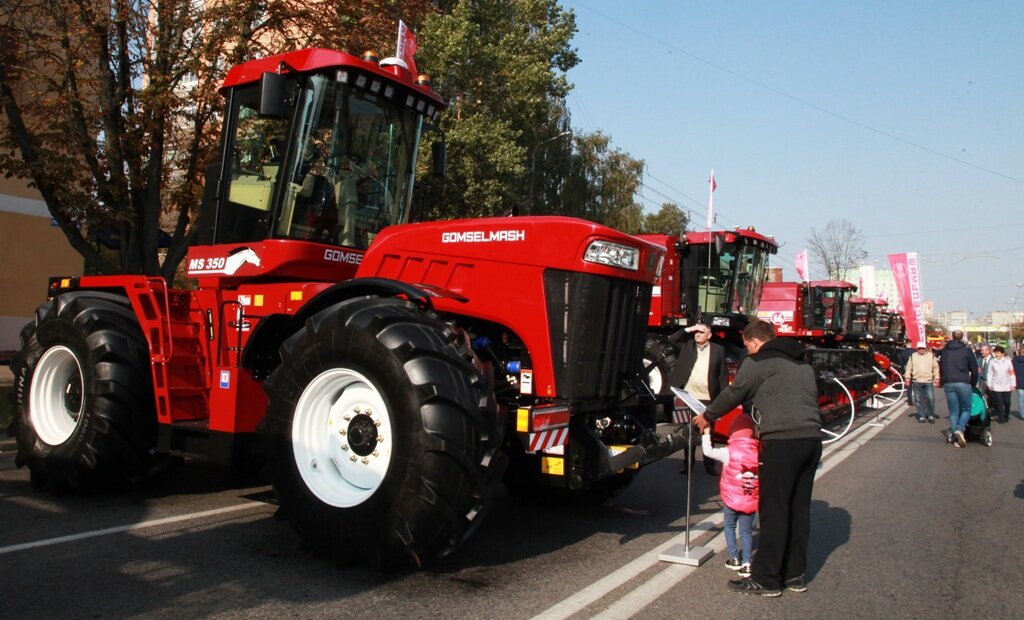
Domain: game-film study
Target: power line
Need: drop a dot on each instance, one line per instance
(802, 102)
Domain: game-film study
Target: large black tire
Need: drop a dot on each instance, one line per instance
(660, 357)
(384, 441)
(84, 398)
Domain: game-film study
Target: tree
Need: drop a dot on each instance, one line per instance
(839, 247)
(501, 66)
(670, 219)
(601, 184)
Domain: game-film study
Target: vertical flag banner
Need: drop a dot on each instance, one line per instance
(406, 47)
(802, 268)
(906, 273)
(712, 186)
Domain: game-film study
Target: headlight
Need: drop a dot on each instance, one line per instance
(612, 254)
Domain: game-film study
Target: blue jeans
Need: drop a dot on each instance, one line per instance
(1020, 403)
(746, 523)
(958, 397)
(924, 399)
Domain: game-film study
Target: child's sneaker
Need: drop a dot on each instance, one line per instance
(744, 570)
(733, 564)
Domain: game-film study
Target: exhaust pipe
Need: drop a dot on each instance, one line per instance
(660, 445)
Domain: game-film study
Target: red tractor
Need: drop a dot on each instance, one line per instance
(711, 277)
(389, 373)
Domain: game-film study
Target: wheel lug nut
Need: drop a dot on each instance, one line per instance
(353, 458)
(341, 432)
(344, 447)
(376, 422)
(366, 461)
(313, 463)
(376, 453)
(356, 409)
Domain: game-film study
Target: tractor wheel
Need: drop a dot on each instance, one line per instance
(660, 358)
(383, 435)
(84, 396)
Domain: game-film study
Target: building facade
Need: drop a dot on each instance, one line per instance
(32, 249)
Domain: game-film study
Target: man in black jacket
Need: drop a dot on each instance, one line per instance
(784, 391)
(700, 369)
(958, 370)
(707, 357)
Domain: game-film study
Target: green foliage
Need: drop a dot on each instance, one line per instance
(501, 67)
(670, 219)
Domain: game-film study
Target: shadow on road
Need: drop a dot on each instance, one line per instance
(830, 530)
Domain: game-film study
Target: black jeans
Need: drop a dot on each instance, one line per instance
(786, 476)
(1000, 402)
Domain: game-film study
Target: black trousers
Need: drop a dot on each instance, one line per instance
(1000, 405)
(786, 479)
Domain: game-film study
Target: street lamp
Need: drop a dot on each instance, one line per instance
(533, 162)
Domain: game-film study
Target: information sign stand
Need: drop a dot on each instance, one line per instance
(685, 553)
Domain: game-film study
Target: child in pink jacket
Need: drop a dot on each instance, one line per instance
(738, 487)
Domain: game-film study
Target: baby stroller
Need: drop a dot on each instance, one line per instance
(979, 425)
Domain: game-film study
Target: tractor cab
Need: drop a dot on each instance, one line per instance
(815, 311)
(722, 274)
(318, 146)
(868, 319)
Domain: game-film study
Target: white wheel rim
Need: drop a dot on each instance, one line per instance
(55, 397)
(653, 376)
(342, 437)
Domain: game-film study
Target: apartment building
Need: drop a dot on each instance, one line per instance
(32, 249)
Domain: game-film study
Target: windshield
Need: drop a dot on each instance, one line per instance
(727, 281)
(860, 318)
(826, 308)
(348, 169)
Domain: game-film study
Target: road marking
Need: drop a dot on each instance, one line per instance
(129, 528)
(603, 586)
(636, 600)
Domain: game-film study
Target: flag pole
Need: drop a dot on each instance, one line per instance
(711, 245)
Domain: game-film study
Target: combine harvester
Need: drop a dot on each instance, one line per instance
(850, 373)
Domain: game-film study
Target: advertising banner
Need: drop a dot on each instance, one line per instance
(907, 275)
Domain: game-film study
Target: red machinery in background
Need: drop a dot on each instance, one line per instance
(715, 278)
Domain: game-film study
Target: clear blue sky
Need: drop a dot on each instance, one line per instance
(906, 118)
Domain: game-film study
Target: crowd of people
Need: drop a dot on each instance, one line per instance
(967, 376)
(774, 446)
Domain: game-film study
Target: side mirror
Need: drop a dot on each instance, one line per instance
(273, 95)
(439, 150)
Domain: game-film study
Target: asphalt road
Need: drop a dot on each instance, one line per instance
(903, 526)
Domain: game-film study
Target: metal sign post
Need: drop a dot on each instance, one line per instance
(692, 555)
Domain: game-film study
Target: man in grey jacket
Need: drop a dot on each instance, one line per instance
(784, 391)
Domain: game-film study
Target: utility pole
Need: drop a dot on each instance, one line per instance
(533, 164)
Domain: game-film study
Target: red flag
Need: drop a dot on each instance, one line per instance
(407, 47)
(802, 268)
